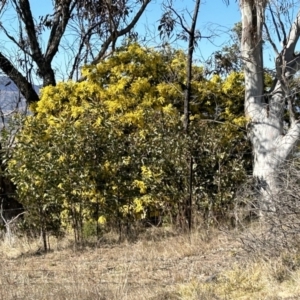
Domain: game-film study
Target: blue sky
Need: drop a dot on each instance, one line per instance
(215, 18)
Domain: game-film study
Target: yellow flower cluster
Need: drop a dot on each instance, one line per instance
(141, 185)
(146, 172)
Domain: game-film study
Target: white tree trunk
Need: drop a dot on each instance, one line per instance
(271, 145)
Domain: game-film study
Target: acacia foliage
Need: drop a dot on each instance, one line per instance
(112, 149)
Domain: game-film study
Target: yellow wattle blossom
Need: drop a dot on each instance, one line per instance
(169, 109)
(38, 183)
(117, 127)
(76, 111)
(143, 133)
(12, 162)
(61, 158)
(139, 208)
(126, 160)
(146, 172)
(98, 122)
(141, 185)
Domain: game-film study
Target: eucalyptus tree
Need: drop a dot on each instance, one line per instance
(273, 120)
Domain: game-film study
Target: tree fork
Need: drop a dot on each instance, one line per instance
(270, 142)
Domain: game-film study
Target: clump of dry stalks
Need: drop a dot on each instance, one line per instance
(277, 230)
(165, 264)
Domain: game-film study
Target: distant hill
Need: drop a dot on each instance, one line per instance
(10, 97)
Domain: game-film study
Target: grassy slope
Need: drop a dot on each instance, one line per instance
(158, 266)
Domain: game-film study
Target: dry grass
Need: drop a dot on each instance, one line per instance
(160, 265)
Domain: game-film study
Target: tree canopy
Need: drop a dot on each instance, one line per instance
(144, 131)
(112, 149)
